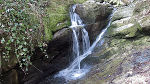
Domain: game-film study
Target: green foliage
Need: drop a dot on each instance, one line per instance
(19, 27)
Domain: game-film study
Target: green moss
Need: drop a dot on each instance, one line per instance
(111, 68)
(123, 43)
(132, 31)
(106, 73)
(122, 30)
(57, 16)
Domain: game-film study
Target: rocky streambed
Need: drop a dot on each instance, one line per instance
(124, 57)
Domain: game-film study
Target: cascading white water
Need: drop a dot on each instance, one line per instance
(74, 71)
(86, 41)
(76, 25)
(76, 48)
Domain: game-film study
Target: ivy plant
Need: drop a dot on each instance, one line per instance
(19, 26)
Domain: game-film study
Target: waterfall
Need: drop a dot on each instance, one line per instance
(76, 25)
(74, 71)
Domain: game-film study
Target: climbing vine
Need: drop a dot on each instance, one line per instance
(19, 32)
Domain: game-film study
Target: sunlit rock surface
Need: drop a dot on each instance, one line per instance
(124, 58)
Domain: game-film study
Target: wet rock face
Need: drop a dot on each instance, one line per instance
(92, 11)
(95, 15)
(60, 48)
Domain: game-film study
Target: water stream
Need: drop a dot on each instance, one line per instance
(75, 71)
(76, 26)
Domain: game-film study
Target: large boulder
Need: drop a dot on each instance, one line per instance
(92, 11)
(95, 15)
(123, 12)
(124, 28)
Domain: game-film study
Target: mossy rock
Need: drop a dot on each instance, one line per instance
(124, 28)
(123, 12)
(117, 63)
(57, 16)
